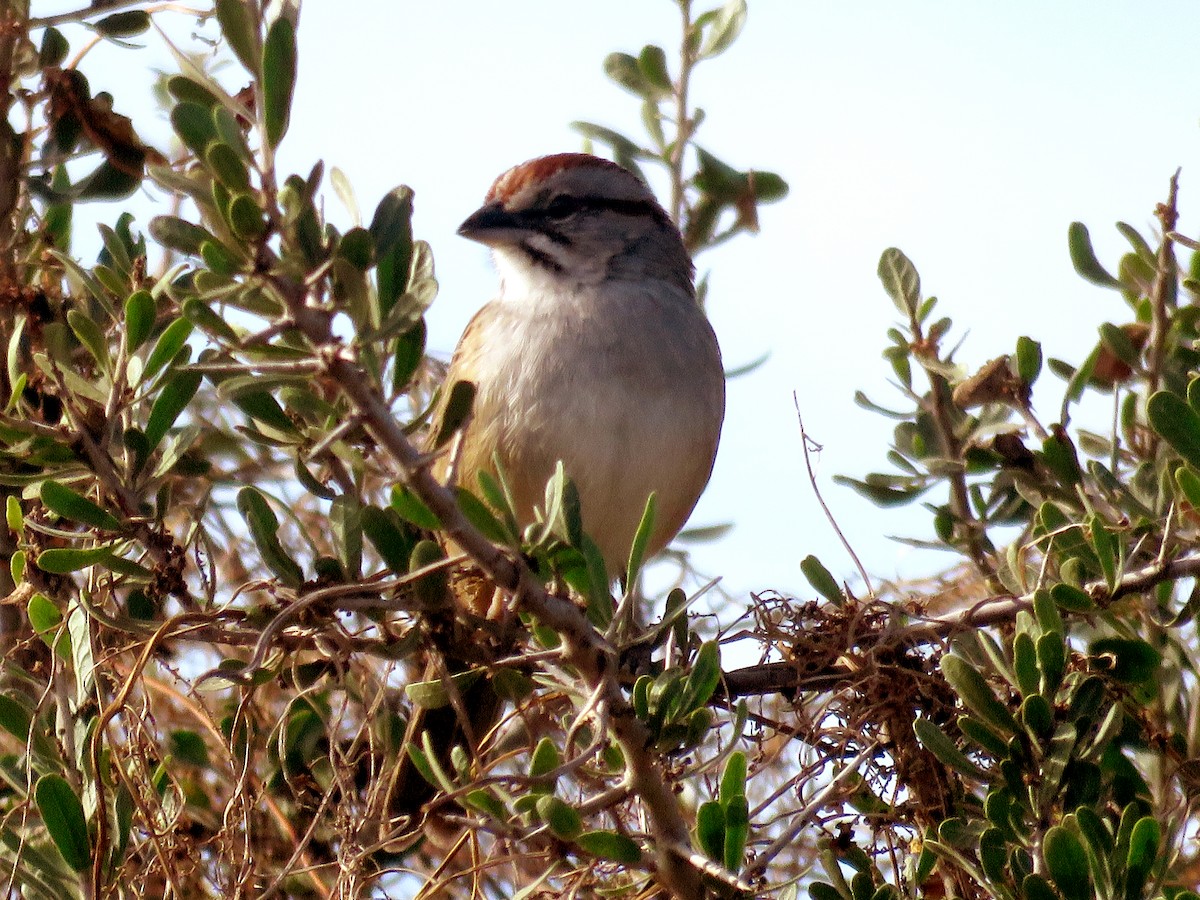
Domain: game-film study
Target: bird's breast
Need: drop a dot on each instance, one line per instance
(628, 392)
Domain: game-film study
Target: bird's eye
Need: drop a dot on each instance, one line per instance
(562, 207)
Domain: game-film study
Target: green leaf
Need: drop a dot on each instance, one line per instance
(62, 814)
(546, 758)
(382, 528)
(1177, 423)
(63, 560)
(564, 821)
(179, 234)
(188, 746)
(171, 401)
(434, 694)
(278, 78)
(194, 125)
(124, 24)
(976, 694)
(1067, 863)
(1052, 661)
(1046, 612)
(768, 187)
(940, 745)
(14, 516)
(600, 602)
(487, 802)
(733, 778)
(900, 280)
(1118, 342)
(391, 229)
(407, 354)
(1134, 661)
(432, 769)
(139, 319)
(625, 71)
(1035, 887)
(412, 509)
(15, 718)
(562, 497)
(1107, 549)
(737, 830)
(167, 347)
(91, 336)
(640, 697)
(240, 29)
(1029, 359)
(45, 619)
(227, 165)
(61, 500)
(882, 491)
(1036, 715)
(610, 845)
(430, 591)
(703, 678)
(982, 735)
(819, 890)
(1060, 457)
(1083, 257)
(1144, 842)
(478, 514)
(357, 247)
(187, 90)
(652, 63)
(822, 580)
(246, 218)
(53, 51)
(710, 829)
(1025, 664)
(1072, 599)
(641, 538)
(264, 527)
(207, 320)
(265, 409)
(722, 30)
(455, 410)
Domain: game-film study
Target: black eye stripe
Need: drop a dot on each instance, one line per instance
(564, 206)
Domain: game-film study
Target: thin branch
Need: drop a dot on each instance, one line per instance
(1164, 279)
(812, 480)
(786, 677)
(583, 648)
(95, 8)
(683, 122)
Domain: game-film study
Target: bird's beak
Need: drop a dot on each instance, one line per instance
(493, 225)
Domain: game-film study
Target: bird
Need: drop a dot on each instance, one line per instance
(595, 353)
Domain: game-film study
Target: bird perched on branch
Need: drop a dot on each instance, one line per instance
(595, 352)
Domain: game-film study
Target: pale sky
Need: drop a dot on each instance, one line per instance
(967, 134)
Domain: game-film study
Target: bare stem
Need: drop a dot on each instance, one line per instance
(683, 121)
(1164, 279)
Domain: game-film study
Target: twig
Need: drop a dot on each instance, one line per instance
(583, 648)
(803, 819)
(95, 8)
(683, 123)
(1164, 279)
(812, 480)
(784, 678)
(170, 628)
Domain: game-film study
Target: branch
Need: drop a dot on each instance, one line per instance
(1164, 280)
(786, 677)
(583, 648)
(95, 8)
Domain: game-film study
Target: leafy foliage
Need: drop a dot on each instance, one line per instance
(228, 563)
